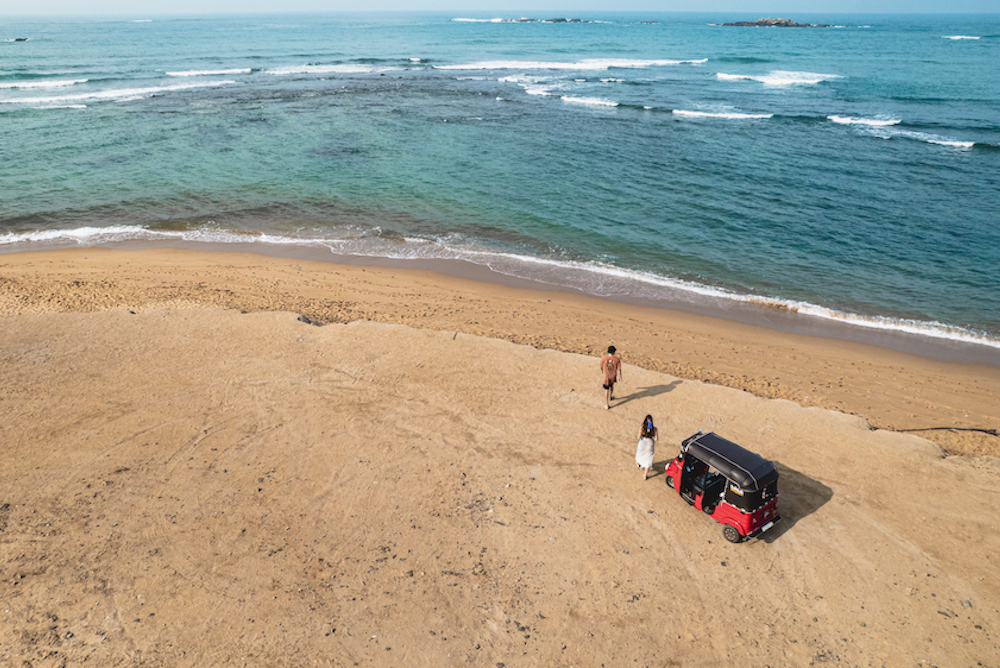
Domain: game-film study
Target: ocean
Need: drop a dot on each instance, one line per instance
(840, 180)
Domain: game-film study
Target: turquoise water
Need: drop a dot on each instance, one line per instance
(850, 173)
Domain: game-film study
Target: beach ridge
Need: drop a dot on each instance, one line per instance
(890, 390)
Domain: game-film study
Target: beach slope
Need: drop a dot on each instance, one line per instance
(201, 486)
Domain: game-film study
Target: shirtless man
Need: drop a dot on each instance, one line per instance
(611, 367)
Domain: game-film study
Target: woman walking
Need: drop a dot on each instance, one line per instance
(647, 446)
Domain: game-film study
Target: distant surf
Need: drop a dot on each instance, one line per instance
(597, 64)
(204, 73)
(590, 101)
(338, 68)
(53, 83)
(726, 115)
(873, 122)
(113, 94)
(781, 78)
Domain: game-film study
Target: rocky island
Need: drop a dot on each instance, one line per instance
(776, 23)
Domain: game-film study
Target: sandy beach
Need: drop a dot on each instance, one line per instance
(196, 473)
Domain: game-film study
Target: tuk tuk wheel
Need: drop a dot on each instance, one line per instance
(670, 481)
(732, 534)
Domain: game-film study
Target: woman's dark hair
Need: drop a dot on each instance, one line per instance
(647, 427)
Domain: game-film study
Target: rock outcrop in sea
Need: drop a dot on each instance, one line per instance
(775, 23)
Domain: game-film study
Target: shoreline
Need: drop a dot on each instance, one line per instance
(929, 340)
(890, 389)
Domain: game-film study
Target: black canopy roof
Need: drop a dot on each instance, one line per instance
(747, 469)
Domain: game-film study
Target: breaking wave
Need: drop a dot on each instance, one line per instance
(589, 101)
(873, 122)
(780, 78)
(342, 68)
(596, 64)
(113, 94)
(728, 115)
(202, 73)
(51, 83)
(590, 277)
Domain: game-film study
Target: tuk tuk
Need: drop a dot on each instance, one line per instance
(736, 487)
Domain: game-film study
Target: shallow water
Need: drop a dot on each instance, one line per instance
(851, 173)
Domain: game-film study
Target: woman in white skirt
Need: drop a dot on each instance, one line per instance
(647, 446)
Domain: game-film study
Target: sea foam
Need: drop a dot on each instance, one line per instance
(728, 115)
(114, 94)
(780, 78)
(342, 68)
(590, 277)
(596, 64)
(955, 143)
(202, 73)
(873, 122)
(53, 83)
(927, 137)
(590, 101)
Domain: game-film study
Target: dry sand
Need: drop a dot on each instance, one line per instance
(202, 486)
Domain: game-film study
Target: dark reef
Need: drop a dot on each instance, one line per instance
(775, 23)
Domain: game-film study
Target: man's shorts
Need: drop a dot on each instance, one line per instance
(608, 386)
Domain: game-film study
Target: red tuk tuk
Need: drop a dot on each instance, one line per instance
(736, 487)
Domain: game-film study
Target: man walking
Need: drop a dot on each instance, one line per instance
(611, 367)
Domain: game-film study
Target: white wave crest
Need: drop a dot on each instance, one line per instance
(344, 68)
(532, 85)
(960, 37)
(596, 64)
(950, 142)
(52, 83)
(540, 91)
(780, 78)
(114, 94)
(891, 133)
(729, 115)
(874, 122)
(935, 330)
(80, 235)
(589, 101)
(203, 73)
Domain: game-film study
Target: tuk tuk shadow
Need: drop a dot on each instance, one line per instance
(646, 392)
(798, 496)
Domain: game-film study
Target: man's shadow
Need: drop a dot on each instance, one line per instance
(647, 392)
